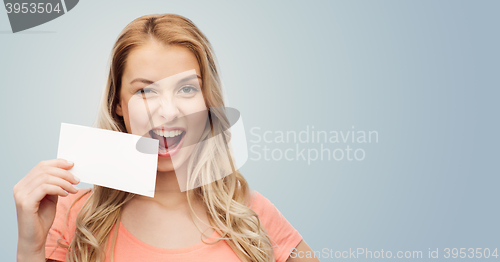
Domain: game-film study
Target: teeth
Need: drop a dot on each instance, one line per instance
(165, 133)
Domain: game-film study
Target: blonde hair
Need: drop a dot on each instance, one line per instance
(225, 197)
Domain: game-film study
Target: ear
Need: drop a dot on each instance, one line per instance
(118, 109)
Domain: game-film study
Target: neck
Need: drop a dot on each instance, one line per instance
(167, 190)
(167, 184)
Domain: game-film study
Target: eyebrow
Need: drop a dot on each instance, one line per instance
(149, 82)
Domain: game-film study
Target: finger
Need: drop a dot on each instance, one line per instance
(50, 175)
(64, 174)
(46, 189)
(33, 179)
(61, 163)
(43, 166)
(28, 179)
(64, 184)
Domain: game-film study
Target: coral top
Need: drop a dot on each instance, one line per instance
(128, 248)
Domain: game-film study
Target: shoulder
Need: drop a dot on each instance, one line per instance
(268, 213)
(259, 203)
(284, 237)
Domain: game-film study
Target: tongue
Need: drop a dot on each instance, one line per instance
(171, 141)
(165, 142)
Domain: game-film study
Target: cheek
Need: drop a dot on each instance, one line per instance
(138, 117)
(197, 115)
(197, 123)
(195, 105)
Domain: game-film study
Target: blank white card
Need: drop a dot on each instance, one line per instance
(109, 158)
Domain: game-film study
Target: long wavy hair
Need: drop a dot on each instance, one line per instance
(225, 197)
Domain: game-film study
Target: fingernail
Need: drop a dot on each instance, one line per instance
(69, 162)
(77, 179)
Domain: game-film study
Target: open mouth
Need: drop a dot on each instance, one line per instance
(170, 141)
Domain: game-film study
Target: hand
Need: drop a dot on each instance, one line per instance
(36, 198)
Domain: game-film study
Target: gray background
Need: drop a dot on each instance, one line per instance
(424, 74)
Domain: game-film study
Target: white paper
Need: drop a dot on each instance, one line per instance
(109, 158)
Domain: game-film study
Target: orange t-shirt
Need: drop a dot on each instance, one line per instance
(128, 248)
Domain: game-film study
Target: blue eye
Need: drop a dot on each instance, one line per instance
(146, 91)
(188, 90)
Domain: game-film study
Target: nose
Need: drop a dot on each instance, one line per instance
(168, 110)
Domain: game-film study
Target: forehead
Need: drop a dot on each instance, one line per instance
(156, 61)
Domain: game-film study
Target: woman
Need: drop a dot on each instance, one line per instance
(218, 220)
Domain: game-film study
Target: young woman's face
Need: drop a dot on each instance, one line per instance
(161, 98)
